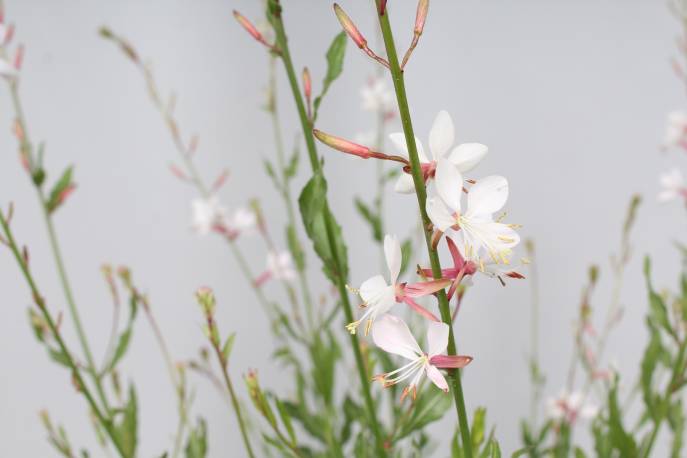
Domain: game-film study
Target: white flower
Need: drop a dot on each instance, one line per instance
(379, 296)
(280, 266)
(676, 130)
(673, 184)
(392, 335)
(464, 157)
(378, 97)
(569, 407)
(243, 220)
(479, 230)
(207, 214)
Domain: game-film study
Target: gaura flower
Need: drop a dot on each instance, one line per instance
(379, 296)
(673, 184)
(243, 220)
(676, 130)
(464, 157)
(208, 213)
(569, 407)
(378, 97)
(279, 267)
(479, 230)
(392, 335)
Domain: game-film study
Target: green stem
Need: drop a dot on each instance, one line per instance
(234, 399)
(40, 303)
(329, 226)
(421, 193)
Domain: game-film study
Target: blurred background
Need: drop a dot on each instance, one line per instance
(570, 97)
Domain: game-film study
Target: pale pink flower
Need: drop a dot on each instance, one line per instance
(279, 267)
(676, 130)
(377, 96)
(673, 184)
(568, 407)
(242, 221)
(392, 335)
(480, 232)
(463, 157)
(208, 214)
(379, 296)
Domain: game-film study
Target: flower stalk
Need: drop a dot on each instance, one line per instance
(421, 193)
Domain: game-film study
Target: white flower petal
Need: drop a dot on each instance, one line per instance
(373, 288)
(467, 155)
(437, 377)
(437, 338)
(449, 184)
(441, 135)
(399, 141)
(488, 195)
(404, 184)
(392, 335)
(439, 213)
(392, 251)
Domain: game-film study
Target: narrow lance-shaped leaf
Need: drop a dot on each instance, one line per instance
(335, 58)
(59, 191)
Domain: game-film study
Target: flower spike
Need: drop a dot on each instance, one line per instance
(357, 37)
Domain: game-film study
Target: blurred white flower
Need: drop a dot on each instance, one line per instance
(378, 97)
(280, 266)
(676, 130)
(392, 335)
(673, 184)
(569, 407)
(464, 157)
(242, 221)
(207, 214)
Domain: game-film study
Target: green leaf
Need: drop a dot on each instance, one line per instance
(619, 438)
(478, 424)
(430, 406)
(292, 167)
(658, 312)
(579, 453)
(335, 58)
(286, 419)
(56, 195)
(311, 422)
(228, 345)
(648, 366)
(120, 349)
(312, 204)
(126, 430)
(372, 218)
(676, 420)
(59, 357)
(295, 247)
(197, 443)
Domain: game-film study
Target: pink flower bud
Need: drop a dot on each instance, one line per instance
(250, 28)
(382, 7)
(307, 83)
(221, 179)
(343, 145)
(19, 57)
(349, 27)
(421, 16)
(177, 172)
(9, 33)
(66, 192)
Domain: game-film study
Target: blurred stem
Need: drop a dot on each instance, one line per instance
(285, 191)
(25, 146)
(40, 303)
(421, 193)
(282, 43)
(535, 374)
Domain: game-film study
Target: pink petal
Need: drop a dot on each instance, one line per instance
(420, 309)
(425, 288)
(458, 260)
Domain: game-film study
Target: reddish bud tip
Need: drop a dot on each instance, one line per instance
(19, 57)
(421, 16)
(250, 28)
(343, 145)
(66, 192)
(350, 27)
(307, 83)
(382, 7)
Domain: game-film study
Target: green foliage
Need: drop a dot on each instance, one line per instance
(126, 428)
(335, 58)
(197, 442)
(295, 247)
(431, 405)
(312, 204)
(124, 338)
(372, 218)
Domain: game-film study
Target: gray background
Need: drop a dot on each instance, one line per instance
(570, 97)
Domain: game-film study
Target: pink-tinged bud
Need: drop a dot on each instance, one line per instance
(250, 28)
(350, 27)
(206, 299)
(66, 192)
(343, 145)
(421, 16)
(19, 57)
(221, 179)
(450, 361)
(307, 83)
(9, 34)
(382, 7)
(193, 145)
(177, 172)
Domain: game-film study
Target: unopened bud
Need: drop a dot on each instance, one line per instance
(19, 57)
(343, 145)
(206, 299)
(220, 180)
(307, 83)
(421, 16)
(177, 172)
(350, 27)
(66, 192)
(249, 27)
(9, 33)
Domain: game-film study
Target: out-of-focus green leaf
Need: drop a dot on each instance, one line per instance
(648, 366)
(478, 425)
(676, 420)
(197, 442)
(292, 167)
(372, 218)
(59, 357)
(56, 197)
(127, 428)
(406, 254)
(335, 58)
(295, 247)
(286, 419)
(619, 438)
(430, 406)
(228, 345)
